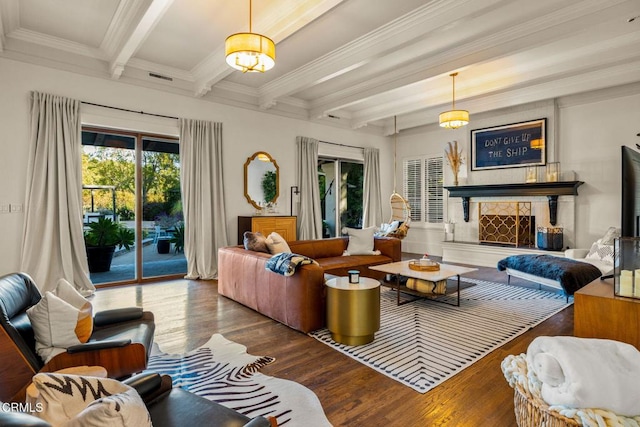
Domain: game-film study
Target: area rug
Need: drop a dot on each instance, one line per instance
(423, 343)
(222, 371)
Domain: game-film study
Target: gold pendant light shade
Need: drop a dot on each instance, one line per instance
(453, 119)
(250, 52)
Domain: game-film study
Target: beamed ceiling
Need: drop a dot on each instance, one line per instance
(350, 63)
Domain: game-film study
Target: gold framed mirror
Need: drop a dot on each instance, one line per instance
(261, 180)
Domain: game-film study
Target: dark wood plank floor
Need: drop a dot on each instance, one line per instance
(189, 312)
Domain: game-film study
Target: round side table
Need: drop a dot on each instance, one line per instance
(353, 310)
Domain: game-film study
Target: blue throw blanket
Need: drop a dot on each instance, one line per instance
(571, 274)
(286, 263)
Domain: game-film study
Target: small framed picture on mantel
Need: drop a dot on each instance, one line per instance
(508, 146)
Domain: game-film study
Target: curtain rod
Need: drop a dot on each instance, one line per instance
(342, 145)
(129, 111)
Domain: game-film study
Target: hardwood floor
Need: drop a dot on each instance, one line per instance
(189, 312)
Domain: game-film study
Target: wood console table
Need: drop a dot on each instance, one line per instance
(599, 314)
(283, 225)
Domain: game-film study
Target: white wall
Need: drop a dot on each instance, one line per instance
(244, 132)
(583, 133)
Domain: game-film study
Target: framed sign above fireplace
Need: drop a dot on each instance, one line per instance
(508, 146)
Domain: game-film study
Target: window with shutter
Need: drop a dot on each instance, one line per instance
(422, 183)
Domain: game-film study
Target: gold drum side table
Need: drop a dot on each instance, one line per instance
(353, 310)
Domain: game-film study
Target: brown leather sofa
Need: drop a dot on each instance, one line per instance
(297, 301)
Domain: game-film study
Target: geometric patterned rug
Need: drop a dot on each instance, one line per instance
(222, 371)
(423, 343)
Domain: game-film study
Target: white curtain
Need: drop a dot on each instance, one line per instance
(53, 242)
(309, 210)
(371, 199)
(202, 196)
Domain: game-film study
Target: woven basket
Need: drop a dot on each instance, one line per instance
(534, 412)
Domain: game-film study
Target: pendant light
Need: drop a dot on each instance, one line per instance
(250, 52)
(453, 119)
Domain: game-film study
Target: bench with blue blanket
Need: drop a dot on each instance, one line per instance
(570, 274)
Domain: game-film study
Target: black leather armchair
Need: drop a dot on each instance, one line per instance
(120, 342)
(167, 406)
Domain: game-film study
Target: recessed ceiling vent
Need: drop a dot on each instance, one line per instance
(331, 116)
(160, 76)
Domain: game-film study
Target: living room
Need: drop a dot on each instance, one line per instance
(589, 116)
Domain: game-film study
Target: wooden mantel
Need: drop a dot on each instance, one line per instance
(550, 189)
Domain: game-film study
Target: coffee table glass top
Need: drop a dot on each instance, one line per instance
(402, 268)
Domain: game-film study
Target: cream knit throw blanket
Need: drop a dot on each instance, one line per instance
(516, 372)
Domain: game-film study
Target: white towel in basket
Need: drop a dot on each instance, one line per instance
(587, 373)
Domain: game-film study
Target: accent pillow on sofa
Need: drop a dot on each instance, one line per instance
(255, 242)
(62, 318)
(277, 244)
(361, 241)
(601, 252)
(73, 400)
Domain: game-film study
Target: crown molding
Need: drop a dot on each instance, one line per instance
(51, 42)
(164, 70)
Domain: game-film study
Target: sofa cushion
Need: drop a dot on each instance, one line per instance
(361, 241)
(118, 410)
(277, 244)
(255, 242)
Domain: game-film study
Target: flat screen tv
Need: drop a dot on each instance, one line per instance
(630, 226)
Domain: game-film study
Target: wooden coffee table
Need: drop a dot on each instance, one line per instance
(401, 268)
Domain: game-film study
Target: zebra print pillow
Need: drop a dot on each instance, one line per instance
(96, 401)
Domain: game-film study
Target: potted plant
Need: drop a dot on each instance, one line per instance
(178, 238)
(101, 240)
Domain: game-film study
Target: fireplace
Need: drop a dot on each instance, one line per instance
(506, 224)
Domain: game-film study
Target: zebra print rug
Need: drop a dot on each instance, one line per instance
(222, 371)
(423, 343)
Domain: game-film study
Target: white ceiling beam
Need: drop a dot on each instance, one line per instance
(279, 24)
(151, 17)
(540, 30)
(497, 74)
(361, 51)
(589, 81)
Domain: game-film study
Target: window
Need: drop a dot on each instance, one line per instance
(341, 186)
(423, 178)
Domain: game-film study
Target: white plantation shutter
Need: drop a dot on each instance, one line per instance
(433, 199)
(422, 186)
(412, 183)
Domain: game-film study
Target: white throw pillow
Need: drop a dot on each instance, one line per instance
(62, 318)
(361, 241)
(277, 244)
(63, 396)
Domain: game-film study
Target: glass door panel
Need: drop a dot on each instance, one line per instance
(108, 192)
(162, 220)
(134, 180)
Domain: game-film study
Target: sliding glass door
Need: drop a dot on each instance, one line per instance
(133, 180)
(341, 184)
